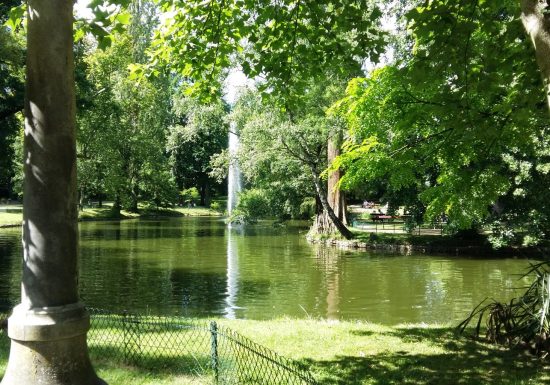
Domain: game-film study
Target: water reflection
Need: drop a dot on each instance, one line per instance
(232, 289)
(328, 263)
(199, 267)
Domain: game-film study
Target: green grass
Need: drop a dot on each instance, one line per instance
(341, 353)
(363, 353)
(105, 213)
(197, 211)
(10, 219)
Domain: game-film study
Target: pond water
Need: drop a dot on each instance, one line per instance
(200, 267)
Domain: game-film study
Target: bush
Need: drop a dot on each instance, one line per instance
(307, 208)
(190, 196)
(254, 204)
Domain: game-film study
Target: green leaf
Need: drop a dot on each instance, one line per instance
(15, 17)
(123, 18)
(79, 34)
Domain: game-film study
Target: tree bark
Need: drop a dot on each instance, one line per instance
(537, 25)
(48, 329)
(322, 195)
(336, 198)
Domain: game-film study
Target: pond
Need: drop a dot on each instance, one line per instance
(200, 267)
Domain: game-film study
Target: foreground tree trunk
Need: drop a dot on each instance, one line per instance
(48, 329)
(536, 20)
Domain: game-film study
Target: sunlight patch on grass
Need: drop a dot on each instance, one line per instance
(10, 219)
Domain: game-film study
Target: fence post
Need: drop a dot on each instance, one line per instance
(214, 349)
(125, 336)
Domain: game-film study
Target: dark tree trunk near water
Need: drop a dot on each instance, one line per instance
(331, 214)
(336, 198)
(327, 222)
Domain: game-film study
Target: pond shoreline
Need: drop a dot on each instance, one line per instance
(408, 248)
(100, 216)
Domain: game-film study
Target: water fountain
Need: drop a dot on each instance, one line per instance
(234, 179)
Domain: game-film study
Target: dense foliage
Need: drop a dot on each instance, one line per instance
(459, 122)
(11, 98)
(200, 134)
(122, 135)
(456, 124)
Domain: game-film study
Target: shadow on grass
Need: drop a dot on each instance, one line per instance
(140, 365)
(190, 364)
(464, 362)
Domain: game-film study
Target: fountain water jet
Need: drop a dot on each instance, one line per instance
(234, 179)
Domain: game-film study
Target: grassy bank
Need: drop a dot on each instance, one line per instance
(105, 213)
(361, 353)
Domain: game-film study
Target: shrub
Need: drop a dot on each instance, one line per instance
(190, 196)
(307, 208)
(254, 204)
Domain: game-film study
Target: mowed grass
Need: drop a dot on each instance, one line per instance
(356, 353)
(364, 353)
(105, 213)
(10, 219)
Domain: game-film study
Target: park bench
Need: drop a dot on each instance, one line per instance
(377, 217)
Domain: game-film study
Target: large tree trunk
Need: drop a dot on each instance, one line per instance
(536, 21)
(323, 224)
(336, 198)
(48, 329)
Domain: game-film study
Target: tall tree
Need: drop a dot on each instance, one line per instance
(202, 134)
(48, 329)
(462, 123)
(299, 143)
(11, 97)
(122, 137)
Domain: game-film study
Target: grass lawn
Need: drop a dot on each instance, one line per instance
(358, 353)
(104, 213)
(363, 353)
(10, 219)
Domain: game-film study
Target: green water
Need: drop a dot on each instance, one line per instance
(199, 267)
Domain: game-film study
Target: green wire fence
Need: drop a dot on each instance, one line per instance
(206, 351)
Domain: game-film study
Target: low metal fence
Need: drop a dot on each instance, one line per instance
(205, 351)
